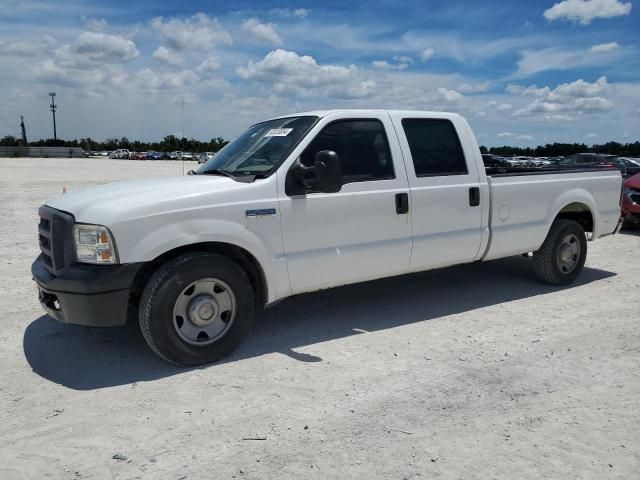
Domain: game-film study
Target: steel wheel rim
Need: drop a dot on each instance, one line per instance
(204, 311)
(568, 253)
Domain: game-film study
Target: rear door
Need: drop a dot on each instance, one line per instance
(442, 170)
(358, 233)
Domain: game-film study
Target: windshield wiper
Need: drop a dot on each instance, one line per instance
(237, 178)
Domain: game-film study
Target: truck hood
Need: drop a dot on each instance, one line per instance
(127, 200)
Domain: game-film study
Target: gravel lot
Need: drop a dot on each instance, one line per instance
(475, 371)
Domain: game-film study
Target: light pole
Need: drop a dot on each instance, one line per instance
(53, 111)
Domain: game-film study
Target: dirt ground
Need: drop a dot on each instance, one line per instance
(476, 371)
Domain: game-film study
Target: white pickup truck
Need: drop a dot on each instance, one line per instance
(301, 203)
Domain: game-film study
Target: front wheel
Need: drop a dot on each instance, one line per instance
(561, 257)
(196, 308)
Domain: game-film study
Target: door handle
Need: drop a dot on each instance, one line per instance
(402, 203)
(474, 196)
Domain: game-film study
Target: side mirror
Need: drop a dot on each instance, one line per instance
(326, 175)
(328, 170)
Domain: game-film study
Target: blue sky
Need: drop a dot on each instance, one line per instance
(522, 73)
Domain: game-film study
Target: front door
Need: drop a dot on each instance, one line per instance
(356, 234)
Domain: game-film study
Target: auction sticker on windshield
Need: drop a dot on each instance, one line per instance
(278, 132)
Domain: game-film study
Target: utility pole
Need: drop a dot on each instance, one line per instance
(182, 119)
(24, 131)
(53, 111)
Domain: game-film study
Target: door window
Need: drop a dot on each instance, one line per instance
(362, 147)
(435, 147)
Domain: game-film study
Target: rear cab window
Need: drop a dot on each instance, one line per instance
(435, 147)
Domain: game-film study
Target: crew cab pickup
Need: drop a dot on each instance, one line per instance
(301, 203)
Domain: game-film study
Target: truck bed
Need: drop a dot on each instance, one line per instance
(523, 205)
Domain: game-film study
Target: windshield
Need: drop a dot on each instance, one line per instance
(261, 149)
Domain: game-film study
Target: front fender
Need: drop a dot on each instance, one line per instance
(142, 241)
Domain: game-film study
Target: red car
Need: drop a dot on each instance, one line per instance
(631, 199)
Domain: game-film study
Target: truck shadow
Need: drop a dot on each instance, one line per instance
(87, 358)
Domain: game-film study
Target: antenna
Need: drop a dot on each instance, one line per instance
(53, 107)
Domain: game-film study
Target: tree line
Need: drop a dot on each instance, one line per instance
(170, 143)
(566, 149)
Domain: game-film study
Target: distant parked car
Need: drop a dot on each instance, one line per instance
(139, 156)
(204, 156)
(631, 199)
(151, 155)
(631, 165)
(541, 161)
(496, 163)
(584, 158)
(175, 155)
(186, 156)
(120, 153)
(627, 166)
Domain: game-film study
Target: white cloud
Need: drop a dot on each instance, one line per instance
(384, 65)
(96, 25)
(559, 118)
(604, 47)
(403, 59)
(286, 12)
(584, 11)
(576, 97)
(151, 80)
(265, 32)
(474, 87)
(27, 48)
(209, 65)
(503, 107)
(200, 32)
(449, 96)
(514, 88)
(516, 136)
(426, 54)
(164, 55)
(582, 89)
(592, 135)
(555, 58)
(102, 47)
(85, 81)
(289, 73)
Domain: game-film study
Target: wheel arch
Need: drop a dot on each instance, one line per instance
(578, 205)
(241, 256)
(578, 212)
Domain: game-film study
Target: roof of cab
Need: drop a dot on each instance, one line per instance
(356, 112)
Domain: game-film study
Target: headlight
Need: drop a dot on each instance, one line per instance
(94, 244)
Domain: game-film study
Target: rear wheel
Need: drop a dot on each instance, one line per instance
(196, 308)
(561, 257)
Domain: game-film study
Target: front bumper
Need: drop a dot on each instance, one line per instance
(91, 295)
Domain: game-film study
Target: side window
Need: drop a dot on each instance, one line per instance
(362, 147)
(435, 147)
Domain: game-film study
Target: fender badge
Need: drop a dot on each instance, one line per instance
(262, 212)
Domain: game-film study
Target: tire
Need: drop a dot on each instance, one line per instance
(170, 311)
(561, 257)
